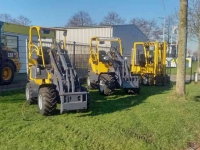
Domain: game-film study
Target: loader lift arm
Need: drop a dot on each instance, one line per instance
(121, 69)
(66, 79)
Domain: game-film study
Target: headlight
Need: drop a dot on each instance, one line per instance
(125, 58)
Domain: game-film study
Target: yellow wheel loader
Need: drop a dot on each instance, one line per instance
(108, 69)
(149, 60)
(51, 77)
(9, 61)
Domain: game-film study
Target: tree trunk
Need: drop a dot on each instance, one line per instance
(182, 47)
(198, 67)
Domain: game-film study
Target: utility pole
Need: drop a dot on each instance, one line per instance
(163, 28)
(198, 68)
(164, 31)
(182, 48)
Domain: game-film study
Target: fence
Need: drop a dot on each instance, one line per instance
(78, 54)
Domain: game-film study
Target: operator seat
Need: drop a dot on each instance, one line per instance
(46, 58)
(142, 62)
(102, 54)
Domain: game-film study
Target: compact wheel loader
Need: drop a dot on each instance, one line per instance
(51, 76)
(108, 69)
(149, 60)
(9, 61)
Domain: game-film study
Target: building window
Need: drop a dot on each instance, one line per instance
(12, 42)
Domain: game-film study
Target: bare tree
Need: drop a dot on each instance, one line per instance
(189, 52)
(171, 21)
(80, 18)
(112, 18)
(170, 38)
(148, 27)
(6, 18)
(182, 42)
(194, 24)
(21, 20)
(195, 53)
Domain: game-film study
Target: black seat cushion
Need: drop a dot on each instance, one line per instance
(102, 54)
(46, 56)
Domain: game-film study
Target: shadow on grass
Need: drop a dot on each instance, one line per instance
(13, 96)
(197, 98)
(99, 104)
(120, 101)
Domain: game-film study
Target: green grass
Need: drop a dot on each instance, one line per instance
(155, 119)
(188, 70)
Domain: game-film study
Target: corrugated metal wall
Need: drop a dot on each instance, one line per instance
(128, 34)
(83, 35)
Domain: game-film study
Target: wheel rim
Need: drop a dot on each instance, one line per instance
(101, 86)
(7, 73)
(40, 102)
(88, 81)
(27, 94)
(145, 81)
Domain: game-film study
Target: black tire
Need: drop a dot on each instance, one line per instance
(136, 91)
(47, 101)
(109, 84)
(29, 97)
(150, 80)
(126, 91)
(132, 91)
(167, 80)
(9, 67)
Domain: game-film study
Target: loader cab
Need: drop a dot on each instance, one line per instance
(46, 38)
(99, 46)
(149, 58)
(38, 48)
(113, 45)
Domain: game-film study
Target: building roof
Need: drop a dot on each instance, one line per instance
(95, 26)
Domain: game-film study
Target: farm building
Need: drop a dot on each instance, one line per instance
(16, 38)
(127, 33)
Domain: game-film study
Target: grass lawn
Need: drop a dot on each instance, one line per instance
(188, 70)
(155, 119)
